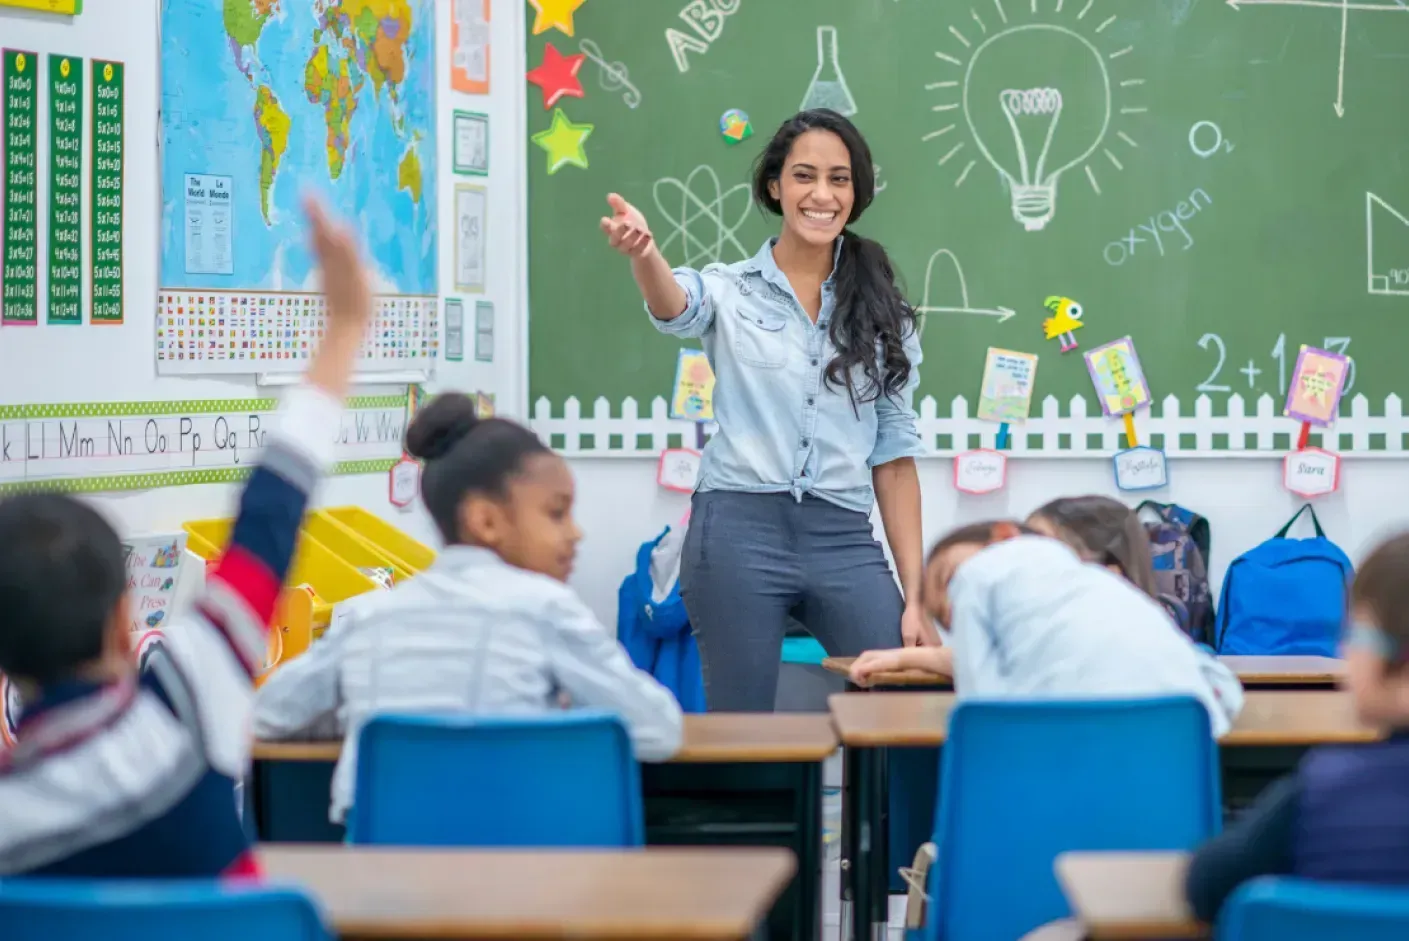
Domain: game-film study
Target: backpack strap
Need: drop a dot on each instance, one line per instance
(1305, 508)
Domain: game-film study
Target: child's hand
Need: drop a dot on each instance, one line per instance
(348, 294)
(626, 230)
(876, 661)
(346, 288)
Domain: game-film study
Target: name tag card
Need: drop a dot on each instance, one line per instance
(1141, 468)
(678, 470)
(981, 471)
(1311, 472)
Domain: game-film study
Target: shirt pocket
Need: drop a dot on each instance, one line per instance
(760, 339)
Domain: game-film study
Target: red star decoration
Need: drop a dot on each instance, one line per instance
(557, 75)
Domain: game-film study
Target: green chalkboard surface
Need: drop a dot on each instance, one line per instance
(1223, 183)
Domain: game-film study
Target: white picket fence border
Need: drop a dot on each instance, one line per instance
(630, 434)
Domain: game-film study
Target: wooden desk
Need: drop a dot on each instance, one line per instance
(1254, 672)
(738, 779)
(1129, 896)
(651, 895)
(921, 720)
(1276, 672)
(708, 738)
(1266, 741)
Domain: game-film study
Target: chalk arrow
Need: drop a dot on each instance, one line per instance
(1002, 313)
(1325, 4)
(1340, 73)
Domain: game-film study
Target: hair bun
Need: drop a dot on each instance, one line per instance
(441, 425)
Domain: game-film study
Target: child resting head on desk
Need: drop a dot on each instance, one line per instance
(489, 628)
(1343, 815)
(116, 774)
(1023, 615)
(1107, 532)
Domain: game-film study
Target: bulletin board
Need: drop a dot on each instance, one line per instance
(153, 243)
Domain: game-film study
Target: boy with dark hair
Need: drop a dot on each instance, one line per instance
(119, 775)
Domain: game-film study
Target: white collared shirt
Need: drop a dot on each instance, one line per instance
(1030, 619)
(470, 635)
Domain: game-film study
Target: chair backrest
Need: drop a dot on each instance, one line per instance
(1022, 781)
(64, 910)
(560, 779)
(1282, 909)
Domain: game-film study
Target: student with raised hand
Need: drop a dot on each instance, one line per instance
(1343, 815)
(817, 356)
(1026, 617)
(489, 628)
(116, 774)
(1106, 532)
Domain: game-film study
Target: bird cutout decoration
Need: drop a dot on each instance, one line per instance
(1064, 322)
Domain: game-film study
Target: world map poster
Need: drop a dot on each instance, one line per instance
(264, 101)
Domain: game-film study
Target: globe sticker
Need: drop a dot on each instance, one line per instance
(734, 125)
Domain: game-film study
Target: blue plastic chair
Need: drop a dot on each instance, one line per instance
(1280, 909)
(64, 910)
(559, 780)
(1021, 782)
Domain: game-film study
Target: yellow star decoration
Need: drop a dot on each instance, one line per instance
(554, 13)
(563, 141)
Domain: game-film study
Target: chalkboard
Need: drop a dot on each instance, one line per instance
(1224, 183)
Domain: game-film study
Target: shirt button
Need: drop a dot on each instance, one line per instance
(806, 442)
(809, 400)
(814, 362)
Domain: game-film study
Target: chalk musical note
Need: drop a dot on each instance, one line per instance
(614, 75)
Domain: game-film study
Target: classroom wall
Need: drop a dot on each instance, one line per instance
(84, 364)
(620, 506)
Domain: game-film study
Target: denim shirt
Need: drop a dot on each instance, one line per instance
(782, 427)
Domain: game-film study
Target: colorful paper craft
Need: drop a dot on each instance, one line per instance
(1119, 380)
(693, 398)
(554, 14)
(1006, 392)
(1318, 381)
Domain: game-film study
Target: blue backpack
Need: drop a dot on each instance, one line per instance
(1285, 596)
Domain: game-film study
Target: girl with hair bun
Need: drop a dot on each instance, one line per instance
(490, 628)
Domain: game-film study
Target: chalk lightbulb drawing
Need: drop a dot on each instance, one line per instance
(1038, 99)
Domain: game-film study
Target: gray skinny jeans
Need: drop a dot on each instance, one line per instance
(753, 560)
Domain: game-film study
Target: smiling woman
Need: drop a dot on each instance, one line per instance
(816, 361)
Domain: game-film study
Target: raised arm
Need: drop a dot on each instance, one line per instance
(224, 645)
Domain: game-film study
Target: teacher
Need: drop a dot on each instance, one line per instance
(816, 357)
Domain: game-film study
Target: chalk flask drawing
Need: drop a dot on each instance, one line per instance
(828, 87)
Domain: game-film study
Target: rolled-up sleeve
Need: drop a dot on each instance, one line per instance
(897, 425)
(698, 318)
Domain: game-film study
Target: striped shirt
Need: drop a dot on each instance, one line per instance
(470, 635)
(136, 778)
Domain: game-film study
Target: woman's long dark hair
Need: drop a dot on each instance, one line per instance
(871, 312)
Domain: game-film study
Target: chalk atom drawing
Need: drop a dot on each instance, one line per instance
(1388, 271)
(927, 307)
(702, 215)
(1031, 122)
(828, 86)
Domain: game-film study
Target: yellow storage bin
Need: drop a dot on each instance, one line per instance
(409, 554)
(351, 546)
(332, 578)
